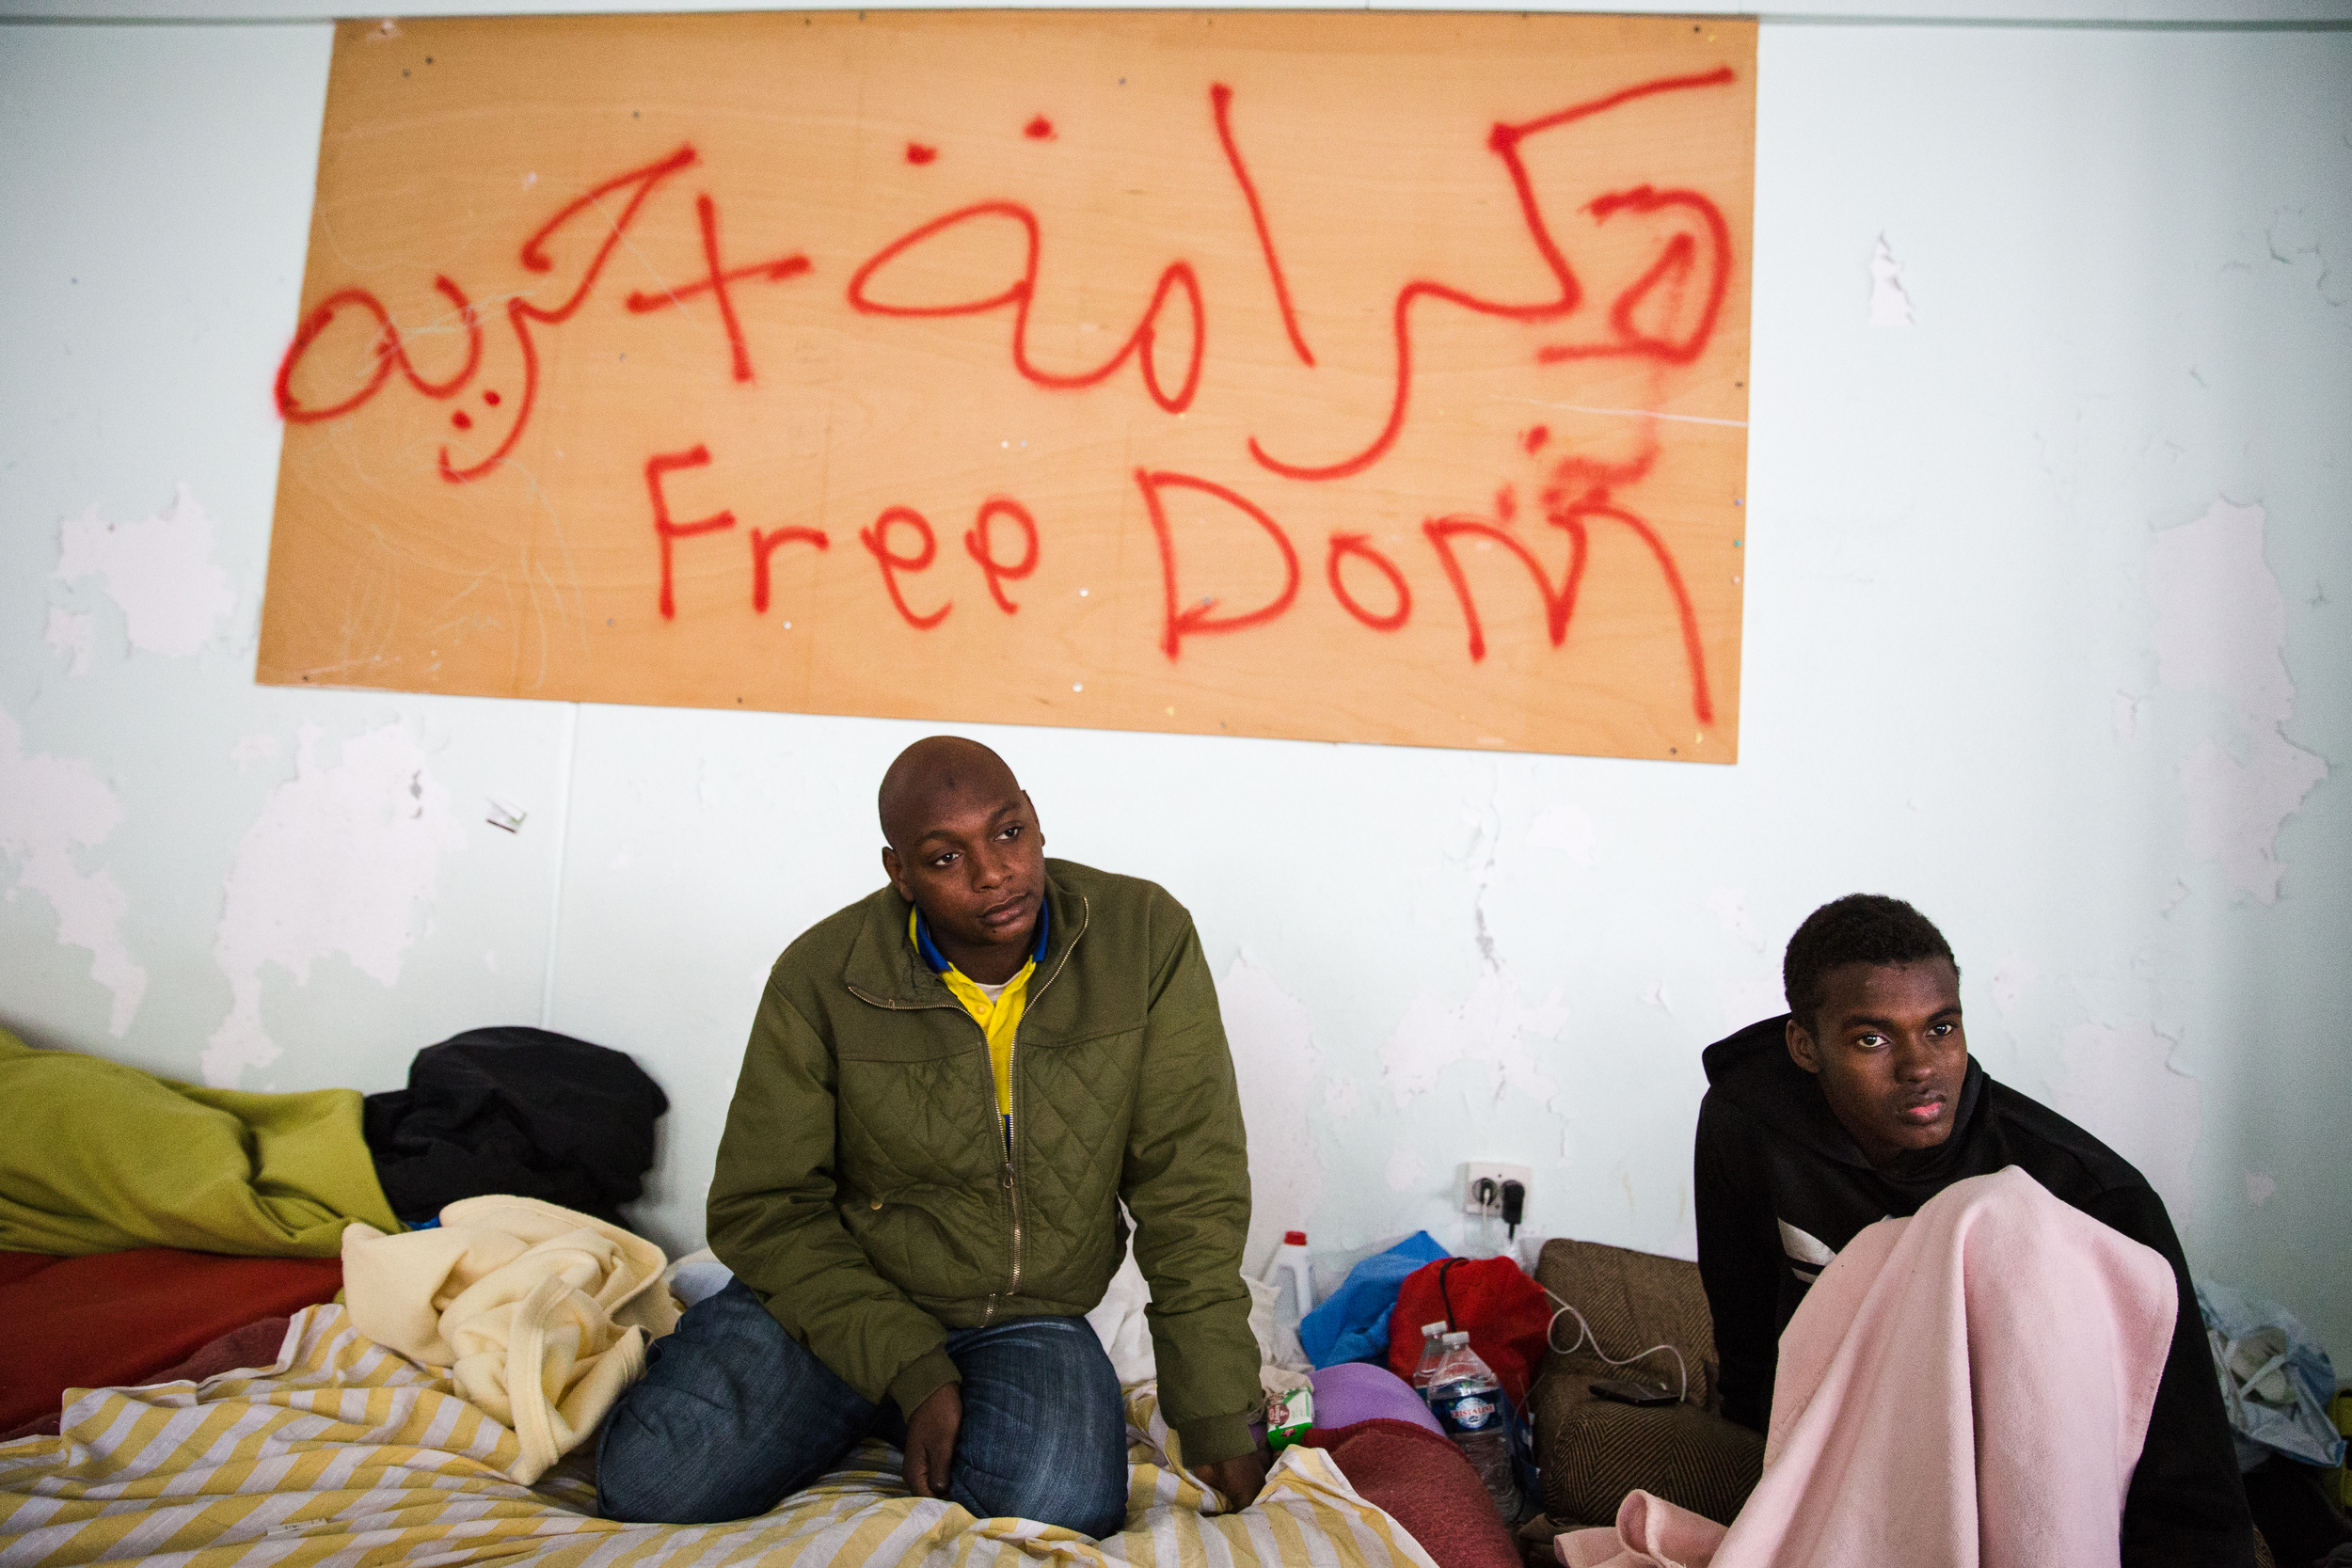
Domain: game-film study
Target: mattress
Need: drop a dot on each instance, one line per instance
(343, 1455)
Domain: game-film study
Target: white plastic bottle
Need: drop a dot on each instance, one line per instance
(1293, 1298)
(1467, 1400)
(1432, 1357)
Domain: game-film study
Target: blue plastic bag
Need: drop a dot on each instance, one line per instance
(2276, 1381)
(1352, 1324)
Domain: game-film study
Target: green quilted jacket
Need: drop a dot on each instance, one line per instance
(862, 1187)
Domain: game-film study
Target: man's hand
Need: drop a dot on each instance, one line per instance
(1237, 1480)
(931, 1440)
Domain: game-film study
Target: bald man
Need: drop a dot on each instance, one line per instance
(951, 1088)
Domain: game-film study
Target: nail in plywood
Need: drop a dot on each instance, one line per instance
(1362, 377)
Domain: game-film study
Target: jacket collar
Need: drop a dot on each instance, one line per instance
(884, 967)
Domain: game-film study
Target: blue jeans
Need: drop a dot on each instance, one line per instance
(733, 1415)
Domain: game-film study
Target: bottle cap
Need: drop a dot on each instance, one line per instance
(1293, 1238)
(1456, 1340)
(1430, 1330)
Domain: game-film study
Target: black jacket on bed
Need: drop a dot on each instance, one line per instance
(1781, 1187)
(515, 1110)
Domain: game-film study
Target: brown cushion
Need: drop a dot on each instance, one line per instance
(1595, 1451)
(1632, 1300)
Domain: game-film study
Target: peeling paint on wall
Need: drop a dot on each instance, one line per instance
(2236, 807)
(70, 634)
(2125, 717)
(2119, 1086)
(159, 572)
(1275, 1064)
(1342, 1100)
(2221, 629)
(1890, 306)
(49, 806)
(1492, 1027)
(337, 863)
(2289, 238)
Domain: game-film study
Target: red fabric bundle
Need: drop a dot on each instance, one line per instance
(1422, 1481)
(116, 1318)
(256, 1344)
(1507, 1313)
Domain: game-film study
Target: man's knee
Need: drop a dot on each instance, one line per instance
(731, 1415)
(1077, 1481)
(1049, 1442)
(644, 1474)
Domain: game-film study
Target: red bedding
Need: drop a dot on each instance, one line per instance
(1424, 1483)
(120, 1317)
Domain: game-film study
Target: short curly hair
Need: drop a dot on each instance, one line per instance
(1859, 928)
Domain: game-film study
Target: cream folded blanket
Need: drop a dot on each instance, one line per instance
(1965, 1388)
(540, 1315)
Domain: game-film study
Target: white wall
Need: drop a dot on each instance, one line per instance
(2046, 630)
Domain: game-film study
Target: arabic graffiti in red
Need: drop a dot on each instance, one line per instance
(1622, 285)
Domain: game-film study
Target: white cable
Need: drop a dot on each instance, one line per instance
(1584, 1333)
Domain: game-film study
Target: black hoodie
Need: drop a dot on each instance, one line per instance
(1781, 1186)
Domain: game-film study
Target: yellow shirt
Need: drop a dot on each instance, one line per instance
(997, 1020)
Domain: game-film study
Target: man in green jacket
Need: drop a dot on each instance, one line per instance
(950, 1088)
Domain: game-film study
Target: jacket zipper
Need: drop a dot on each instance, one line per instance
(1009, 1178)
(1012, 1184)
(1003, 1145)
(995, 1123)
(988, 1097)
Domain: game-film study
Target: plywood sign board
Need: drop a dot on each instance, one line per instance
(1354, 377)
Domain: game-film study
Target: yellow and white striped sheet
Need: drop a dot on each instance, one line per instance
(343, 1455)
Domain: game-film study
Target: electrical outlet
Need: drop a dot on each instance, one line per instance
(1498, 1174)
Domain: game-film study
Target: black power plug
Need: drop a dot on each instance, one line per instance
(1514, 1207)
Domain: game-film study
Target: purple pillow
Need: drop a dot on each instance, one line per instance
(1359, 1392)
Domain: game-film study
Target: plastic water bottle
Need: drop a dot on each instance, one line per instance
(1431, 1354)
(1294, 1296)
(1468, 1402)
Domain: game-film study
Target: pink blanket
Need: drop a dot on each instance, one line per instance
(1968, 1386)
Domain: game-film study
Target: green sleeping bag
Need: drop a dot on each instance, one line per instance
(99, 1157)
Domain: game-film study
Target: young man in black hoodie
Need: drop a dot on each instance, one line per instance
(1862, 1102)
